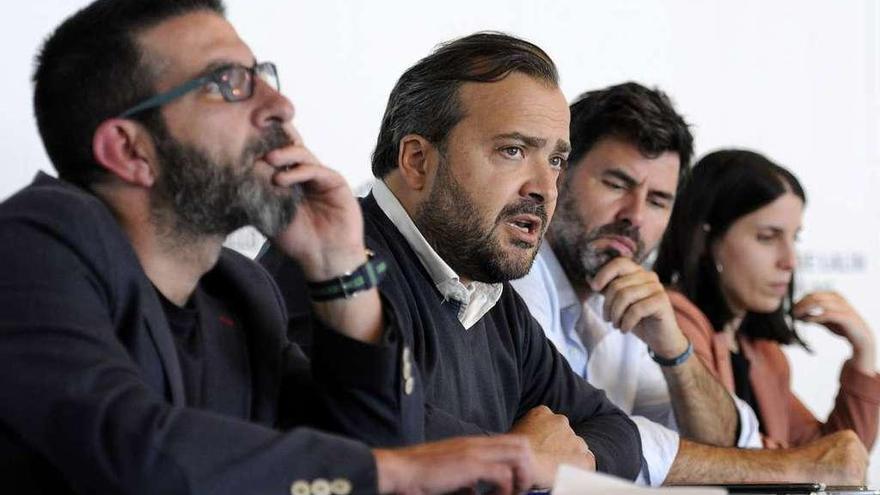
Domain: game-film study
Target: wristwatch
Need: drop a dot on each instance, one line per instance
(349, 284)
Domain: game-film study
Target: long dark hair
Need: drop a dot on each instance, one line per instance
(724, 186)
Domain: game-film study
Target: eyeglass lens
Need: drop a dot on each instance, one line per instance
(239, 80)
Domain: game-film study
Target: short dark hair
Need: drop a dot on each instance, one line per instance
(724, 186)
(639, 115)
(425, 99)
(91, 68)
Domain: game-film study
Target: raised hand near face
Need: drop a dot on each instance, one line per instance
(832, 311)
(636, 301)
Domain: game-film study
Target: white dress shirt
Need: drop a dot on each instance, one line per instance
(475, 298)
(614, 361)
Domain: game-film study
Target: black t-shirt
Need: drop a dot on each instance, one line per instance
(213, 354)
(742, 385)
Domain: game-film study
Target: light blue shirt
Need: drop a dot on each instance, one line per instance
(618, 363)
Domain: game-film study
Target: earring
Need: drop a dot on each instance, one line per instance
(719, 267)
(707, 228)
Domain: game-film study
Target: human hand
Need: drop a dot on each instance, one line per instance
(326, 234)
(836, 459)
(835, 313)
(636, 301)
(554, 443)
(505, 461)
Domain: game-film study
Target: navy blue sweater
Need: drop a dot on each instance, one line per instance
(483, 379)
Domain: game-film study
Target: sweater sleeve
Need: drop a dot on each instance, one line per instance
(548, 380)
(354, 388)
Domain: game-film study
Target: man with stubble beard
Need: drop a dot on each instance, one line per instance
(613, 321)
(472, 142)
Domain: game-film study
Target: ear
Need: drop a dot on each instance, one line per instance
(414, 161)
(125, 149)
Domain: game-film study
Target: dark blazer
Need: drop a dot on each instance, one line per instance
(91, 392)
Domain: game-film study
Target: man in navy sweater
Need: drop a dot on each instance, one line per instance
(472, 142)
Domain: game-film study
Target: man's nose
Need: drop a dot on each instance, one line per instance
(273, 107)
(540, 186)
(633, 207)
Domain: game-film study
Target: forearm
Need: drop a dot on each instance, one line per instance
(359, 317)
(704, 410)
(697, 463)
(365, 394)
(440, 424)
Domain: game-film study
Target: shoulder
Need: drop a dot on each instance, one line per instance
(71, 228)
(689, 317)
(237, 270)
(63, 208)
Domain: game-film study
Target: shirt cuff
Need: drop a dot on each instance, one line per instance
(659, 448)
(749, 428)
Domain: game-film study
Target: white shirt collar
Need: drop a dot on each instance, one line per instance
(476, 298)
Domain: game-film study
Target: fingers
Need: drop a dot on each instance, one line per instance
(833, 311)
(613, 269)
(817, 303)
(314, 178)
(641, 310)
(295, 164)
(505, 461)
(622, 299)
(632, 297)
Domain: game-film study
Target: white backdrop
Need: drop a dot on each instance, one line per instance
(798, 80)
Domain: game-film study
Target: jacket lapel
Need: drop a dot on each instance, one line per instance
(160, 333)
(260, 308)
(771, 397)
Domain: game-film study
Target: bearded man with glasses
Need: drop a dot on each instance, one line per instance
(140, 356)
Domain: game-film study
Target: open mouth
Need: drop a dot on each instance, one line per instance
(525, 228)
(527, 224)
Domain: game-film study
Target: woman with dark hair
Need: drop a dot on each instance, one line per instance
(728, 258)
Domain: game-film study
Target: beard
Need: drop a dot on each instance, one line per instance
(197, 195)
(453, 225)
(573, 243)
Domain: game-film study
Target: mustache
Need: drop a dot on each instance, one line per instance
(524, 207)
(273, 138)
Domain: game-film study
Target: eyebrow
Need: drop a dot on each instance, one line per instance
(630, 181)
(776, 229)
(562, 146)
(221, 64)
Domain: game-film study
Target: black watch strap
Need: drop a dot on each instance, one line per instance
(349, 284)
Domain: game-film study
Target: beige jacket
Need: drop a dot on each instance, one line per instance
(784, 419)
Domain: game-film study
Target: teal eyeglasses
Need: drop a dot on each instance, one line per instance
(235, 82)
